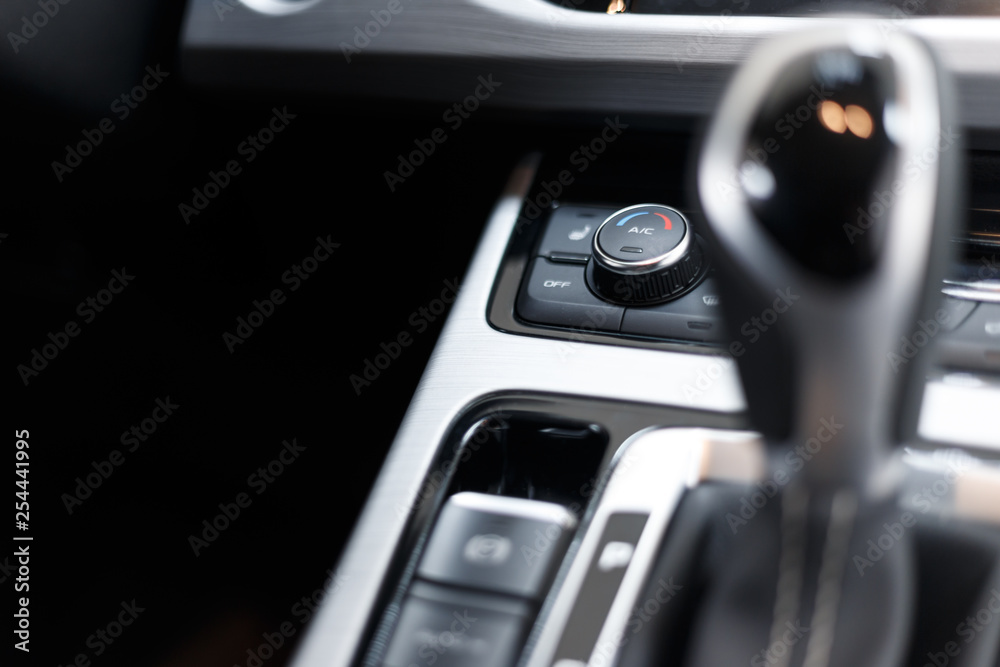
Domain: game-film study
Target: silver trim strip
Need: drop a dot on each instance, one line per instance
(653, 470)
(662, 65)
(961, 410)
(977, 290)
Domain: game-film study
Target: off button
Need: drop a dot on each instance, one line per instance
(557, 294)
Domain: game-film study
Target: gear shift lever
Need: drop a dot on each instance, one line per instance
(829, 176)
(829, 180)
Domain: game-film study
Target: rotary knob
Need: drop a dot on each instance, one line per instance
(643, 255)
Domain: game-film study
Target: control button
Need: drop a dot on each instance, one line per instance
(557, 294)
(571, 229)
(643, 255)
(498, 544)
(616, 555)
(696, 316)
(571, 257)
(600, 586)
(458, 629)
(975, 344)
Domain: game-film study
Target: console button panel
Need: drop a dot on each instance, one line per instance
(487, 568)
(555, 291)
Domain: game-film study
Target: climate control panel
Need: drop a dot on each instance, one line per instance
(635, 271)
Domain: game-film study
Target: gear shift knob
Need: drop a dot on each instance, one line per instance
(829, 180)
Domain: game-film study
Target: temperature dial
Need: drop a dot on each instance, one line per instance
(644, 254)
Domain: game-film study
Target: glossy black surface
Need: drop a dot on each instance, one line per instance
(816, 167)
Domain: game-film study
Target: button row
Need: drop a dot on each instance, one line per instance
(486, 570)
(557, 294)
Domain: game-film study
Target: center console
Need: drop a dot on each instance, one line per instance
(582, 479)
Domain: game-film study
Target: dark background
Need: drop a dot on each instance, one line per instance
(162, 336)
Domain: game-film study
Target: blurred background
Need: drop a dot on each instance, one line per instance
(127, 535)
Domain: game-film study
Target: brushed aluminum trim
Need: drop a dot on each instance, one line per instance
(548, 57)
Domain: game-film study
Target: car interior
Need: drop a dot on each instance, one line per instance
(506, 334)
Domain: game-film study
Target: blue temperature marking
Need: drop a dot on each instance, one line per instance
(629, 217)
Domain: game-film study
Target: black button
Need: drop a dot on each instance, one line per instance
(497, 544)
(695, 316)
(570, 230)
(457, 629)
(558, 294)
